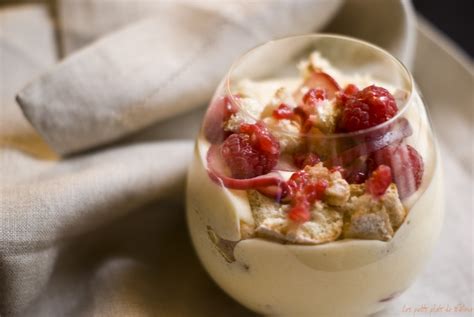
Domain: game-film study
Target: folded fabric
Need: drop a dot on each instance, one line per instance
(153, 70)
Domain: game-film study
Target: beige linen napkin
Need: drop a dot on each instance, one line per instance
(102, 233)
(155, 69)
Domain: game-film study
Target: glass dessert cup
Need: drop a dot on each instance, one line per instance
(322, 263)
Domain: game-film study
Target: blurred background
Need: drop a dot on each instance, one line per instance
(454, 18)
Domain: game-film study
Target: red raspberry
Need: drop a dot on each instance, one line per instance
(302, 159)
(250, 153)
(315, 190)
(297, 181)
(282, 112)
(303, 191)
(351, 90)
(379, 181)
(348, 92)
(406, 164)
(367, 108)
(300, 212)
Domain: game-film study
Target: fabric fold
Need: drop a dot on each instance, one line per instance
(151, 71)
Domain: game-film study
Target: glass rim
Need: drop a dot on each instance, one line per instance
(369, 45)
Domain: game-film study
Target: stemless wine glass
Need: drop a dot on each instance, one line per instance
(345, 277)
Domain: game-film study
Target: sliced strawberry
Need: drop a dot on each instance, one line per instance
(406, 164)
(398, 131)
(322, 81)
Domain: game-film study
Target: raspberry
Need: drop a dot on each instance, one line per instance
(348, 92)
(406, 164)
(315, 190)
(297, 181)
(300, 213)
(379, 181)
(302, 159)
(351, 90)
(305, 112)
(250, 153)
(367, 108)
(282, 112)
(303, 192)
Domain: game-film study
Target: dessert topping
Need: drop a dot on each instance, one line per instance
(400, 129)
(406, 164)
(331, 195)
(379, 181)
(251, 152)
(370, 217)
(272, 182)
(322, 81)
(367, 108)
(272, 221)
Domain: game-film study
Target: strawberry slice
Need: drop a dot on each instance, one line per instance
(322, 81)
(398, 131)
(406, 164)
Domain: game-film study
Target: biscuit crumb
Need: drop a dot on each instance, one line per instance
(272, 222)
(370, 217)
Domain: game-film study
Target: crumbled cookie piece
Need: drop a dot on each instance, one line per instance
(248, 113)
(315, 62)
(287, 132)
(282, 96)
(246, 230)
(318, 171)
(394, 206)
(338, 191)
(369, 217)
(272, 222)
(327, 115)
(357, 189)
(325, 226)
(270, 219)
(371, 226)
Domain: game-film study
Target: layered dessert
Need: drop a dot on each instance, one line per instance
(306, 189)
